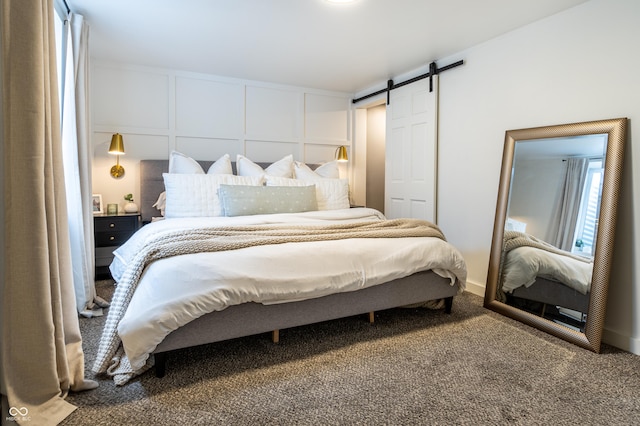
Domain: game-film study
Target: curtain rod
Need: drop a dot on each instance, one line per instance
(433, 70)
(67, 6)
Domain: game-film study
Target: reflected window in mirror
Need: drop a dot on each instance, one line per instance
(589, 211)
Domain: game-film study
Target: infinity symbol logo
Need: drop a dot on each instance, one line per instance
(18, 411)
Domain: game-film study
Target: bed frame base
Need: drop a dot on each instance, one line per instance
(255, 318)
(161, 357)
(554, 293)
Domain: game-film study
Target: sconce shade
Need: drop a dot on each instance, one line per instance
(117, 148)
(117, 145)
(342, 154)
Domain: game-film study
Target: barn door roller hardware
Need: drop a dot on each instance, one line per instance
(433, 70)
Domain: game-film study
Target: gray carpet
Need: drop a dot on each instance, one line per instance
(413, 366)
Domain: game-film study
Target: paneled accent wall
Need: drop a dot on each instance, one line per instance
(206, 116)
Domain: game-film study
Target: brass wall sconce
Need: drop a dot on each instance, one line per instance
(341, 153)
(117, 148)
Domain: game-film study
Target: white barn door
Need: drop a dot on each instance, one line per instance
(412, 152)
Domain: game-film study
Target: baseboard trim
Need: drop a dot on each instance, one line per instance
(474, 288)
(621, 341)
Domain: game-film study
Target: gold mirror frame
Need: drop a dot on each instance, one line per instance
(616, 130)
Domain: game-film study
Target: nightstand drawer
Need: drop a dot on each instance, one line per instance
(116, 224)
(104, 239)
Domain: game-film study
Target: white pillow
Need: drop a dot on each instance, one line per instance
(331, 194)
(180, 163)
(195, 195)
(281, 168)
(222, 166)
(326, 170)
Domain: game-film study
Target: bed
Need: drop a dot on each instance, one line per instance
(536, 271)
(258, 273)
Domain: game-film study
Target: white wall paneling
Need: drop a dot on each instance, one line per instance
(275, 114)
(130, 98)
(316, 153)
(326, 118)
(209, 108)
(326, 129)
(208, 148)
(267, 151)
(135, 145)
(205, 116)
(319, 153)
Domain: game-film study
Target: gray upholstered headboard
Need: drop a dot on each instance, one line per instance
(152, 184)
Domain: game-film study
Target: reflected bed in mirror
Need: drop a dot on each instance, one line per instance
(554, 227)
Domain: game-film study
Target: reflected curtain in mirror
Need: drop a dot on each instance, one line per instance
(571, 201)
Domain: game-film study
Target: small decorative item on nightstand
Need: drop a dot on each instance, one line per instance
(97, 206)
(130, 207)
(112, 209)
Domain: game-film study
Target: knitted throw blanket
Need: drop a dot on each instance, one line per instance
(514, 239)
(111, 358)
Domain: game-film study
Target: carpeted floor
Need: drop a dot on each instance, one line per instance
(412, 367)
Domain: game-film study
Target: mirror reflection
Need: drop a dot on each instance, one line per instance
(551, 227)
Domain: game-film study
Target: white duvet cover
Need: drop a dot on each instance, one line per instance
(175, 290)
(523, 264)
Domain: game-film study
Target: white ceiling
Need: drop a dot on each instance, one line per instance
(308, 43)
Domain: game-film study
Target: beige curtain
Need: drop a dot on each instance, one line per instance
(40, 343)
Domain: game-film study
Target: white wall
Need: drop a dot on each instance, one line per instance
(206, 116)
(537, 187)
(579, 65)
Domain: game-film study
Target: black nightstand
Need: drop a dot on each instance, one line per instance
(111, 231)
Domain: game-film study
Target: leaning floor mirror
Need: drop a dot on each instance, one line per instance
(554, 227)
